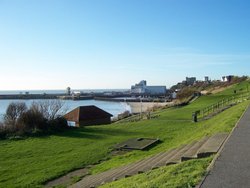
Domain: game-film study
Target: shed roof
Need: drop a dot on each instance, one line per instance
(86, 113)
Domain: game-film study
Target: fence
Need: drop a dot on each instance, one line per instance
(213, 109)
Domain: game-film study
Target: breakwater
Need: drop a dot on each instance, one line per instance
(96, 96)
(29, 96)
(85, 96)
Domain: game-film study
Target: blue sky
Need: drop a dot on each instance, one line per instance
(90, 44)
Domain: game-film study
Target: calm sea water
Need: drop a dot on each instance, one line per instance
(114, 108)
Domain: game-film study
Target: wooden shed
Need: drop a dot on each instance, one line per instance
(88, 115)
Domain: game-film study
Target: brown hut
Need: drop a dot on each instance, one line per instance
(88, 115)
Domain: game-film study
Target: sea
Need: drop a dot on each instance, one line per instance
(113, 108)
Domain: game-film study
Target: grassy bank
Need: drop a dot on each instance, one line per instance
(33, 161)
(185, 175)
(175, 133)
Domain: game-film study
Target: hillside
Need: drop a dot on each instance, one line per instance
(33, 161)
(205, 88)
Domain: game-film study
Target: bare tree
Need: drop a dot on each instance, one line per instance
(13, 112)
(49, 108)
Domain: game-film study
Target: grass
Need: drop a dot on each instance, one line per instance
(185, 113)
(33, 161)
(185, 175)
(175, 133)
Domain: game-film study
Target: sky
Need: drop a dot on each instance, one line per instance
(108, 44)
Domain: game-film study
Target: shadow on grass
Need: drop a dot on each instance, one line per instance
(95, 133)
(73, 132)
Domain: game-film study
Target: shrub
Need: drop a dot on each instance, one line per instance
(2, 131)
(58, 124)
(32, 120)
(186, 93)
(123, 115)
(41, 117)
(13, 112)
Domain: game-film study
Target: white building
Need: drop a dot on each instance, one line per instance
(142, 88)
(227, 78)
(174, 95)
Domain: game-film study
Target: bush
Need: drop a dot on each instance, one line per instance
(186, 93)
(13, 112)
(32, 120)
(42, 117)
(58, 124)
(2, 131)
(124, 115)
(237, 79)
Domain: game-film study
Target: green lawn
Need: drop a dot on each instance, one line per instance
(33, 161)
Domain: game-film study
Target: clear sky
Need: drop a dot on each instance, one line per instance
(90, 44)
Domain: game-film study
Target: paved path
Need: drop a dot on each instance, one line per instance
(232, 168)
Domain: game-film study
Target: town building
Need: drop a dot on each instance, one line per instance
(174, 95)
(142, 89)
(206, 79)
(87, 115)
(190, 80)
(227, 78)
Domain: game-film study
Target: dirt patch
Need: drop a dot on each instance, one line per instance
(215, 90)
(69, 178)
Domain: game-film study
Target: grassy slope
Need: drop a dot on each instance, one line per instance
(186, 174)
(185, 113)
(173, 134)
(32, 161)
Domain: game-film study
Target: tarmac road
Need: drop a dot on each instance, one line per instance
(232, 168)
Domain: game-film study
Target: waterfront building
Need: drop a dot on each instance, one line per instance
(142, 89)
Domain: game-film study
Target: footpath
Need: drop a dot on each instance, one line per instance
(232, 167)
